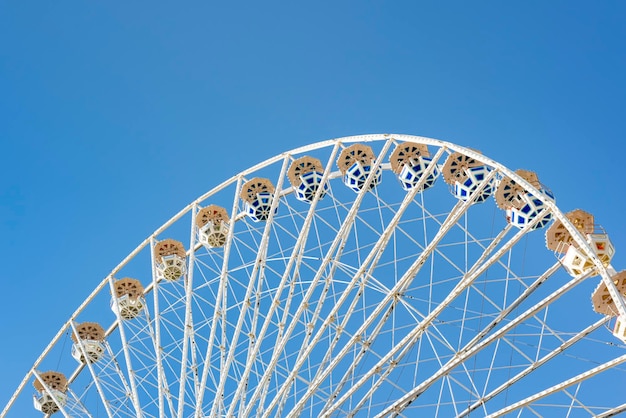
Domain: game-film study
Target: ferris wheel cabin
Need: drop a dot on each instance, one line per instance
(355, 163)
(170, 256)
(213, 225)
(305, 175)
(574, 260)
(128, 298)
(411, 162)
(88, 341)
(51, 390)
(603, 303)
(258, 197)
(467, 177)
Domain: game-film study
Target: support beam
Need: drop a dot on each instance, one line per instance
(472, 348)
(94, 375)
(613, 411)
(336, 248)
(49, 393)
(455, 214)
(127, 359)
(157, 330)
(188, 330)
(556, 388)
(540, 362)
(258, 273)
(294, 263)
(219, 312)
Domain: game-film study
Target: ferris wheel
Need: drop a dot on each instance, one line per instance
(375, 275)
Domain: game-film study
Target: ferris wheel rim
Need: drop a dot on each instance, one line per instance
(445, 145)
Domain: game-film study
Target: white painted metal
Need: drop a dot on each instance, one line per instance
(576, 379)
(322, 362)
(157, 331)
(294, 262)
(613, 412)
(220, 302)
(473, 347)
(535, 365)
(187, 334)
(96, 379)
(328, 259)
(257, 273)
(129, 367)
(47, 390)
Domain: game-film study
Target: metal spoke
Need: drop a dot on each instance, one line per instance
(258, 271)
(567, 383)
(96, 380)
(188, 332)
(125, 346)
(368, 290)
(339, 239)
(473, 347)
(398, 290)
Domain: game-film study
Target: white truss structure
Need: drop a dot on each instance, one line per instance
(382, 303)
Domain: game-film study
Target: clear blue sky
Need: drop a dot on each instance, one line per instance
(114, 115)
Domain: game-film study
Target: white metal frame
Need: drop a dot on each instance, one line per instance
(245, 401)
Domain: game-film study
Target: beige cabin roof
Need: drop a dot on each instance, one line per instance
(558, 238)
(54, 380)
(89, 331)
(404, 153)
(355, 153)
(255, 186)
(169, 247)
(508, 194)
(302, 166)
(127, 286)
(601, 299)
(454, 168)
(212, 213)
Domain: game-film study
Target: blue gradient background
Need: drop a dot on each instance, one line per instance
(114, 115)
